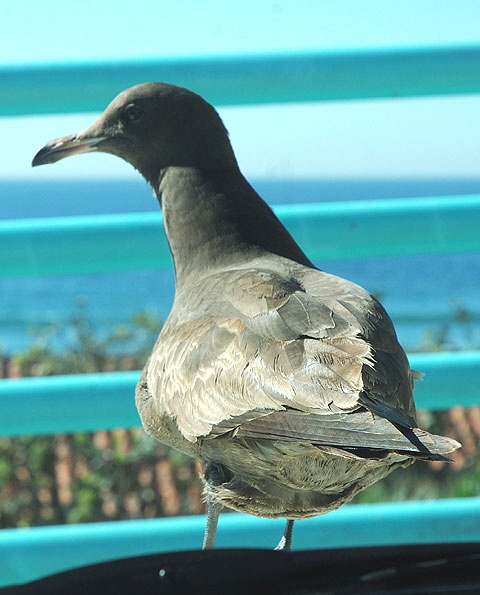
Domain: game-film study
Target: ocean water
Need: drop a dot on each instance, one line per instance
(429, 298)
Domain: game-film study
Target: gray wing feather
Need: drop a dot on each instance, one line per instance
(250, 341)
(357, 430)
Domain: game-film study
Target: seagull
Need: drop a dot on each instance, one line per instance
(286, 382)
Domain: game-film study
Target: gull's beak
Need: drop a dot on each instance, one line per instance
(65, 146)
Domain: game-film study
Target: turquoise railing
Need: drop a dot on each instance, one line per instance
(432, 225)
(87, 402)
(26, 554)
(261, 78)
(348, 230)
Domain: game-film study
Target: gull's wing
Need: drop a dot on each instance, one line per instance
(249, 341)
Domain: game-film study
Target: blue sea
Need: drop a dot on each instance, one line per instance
(430, 298)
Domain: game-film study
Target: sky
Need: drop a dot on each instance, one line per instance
(380, 138)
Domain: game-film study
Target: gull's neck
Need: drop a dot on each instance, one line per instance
(216, 219)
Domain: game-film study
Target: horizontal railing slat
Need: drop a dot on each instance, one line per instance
(28, 554)
(73, 403)
(247, 79)
(350, 229)
(87, 402)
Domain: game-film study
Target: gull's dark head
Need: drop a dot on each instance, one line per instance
(152, 126)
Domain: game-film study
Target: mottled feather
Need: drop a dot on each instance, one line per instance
(258, 338)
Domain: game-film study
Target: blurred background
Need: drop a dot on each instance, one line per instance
(304, 152)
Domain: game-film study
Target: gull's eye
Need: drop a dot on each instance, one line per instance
(133, 113)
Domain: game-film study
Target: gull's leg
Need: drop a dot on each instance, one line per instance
(285, 543)
(213, 511)
(215, 475)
